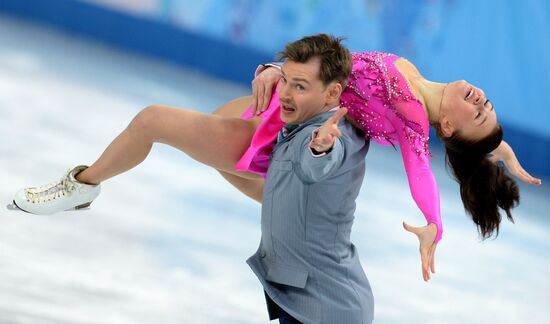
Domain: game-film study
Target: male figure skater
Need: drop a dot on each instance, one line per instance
(308, 267)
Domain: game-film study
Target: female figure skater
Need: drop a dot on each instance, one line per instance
(386, 97)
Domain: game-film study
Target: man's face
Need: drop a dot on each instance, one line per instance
(302, 94)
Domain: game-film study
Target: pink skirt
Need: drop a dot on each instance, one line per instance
(256, 158)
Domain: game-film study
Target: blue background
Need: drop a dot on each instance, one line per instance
(499, 46)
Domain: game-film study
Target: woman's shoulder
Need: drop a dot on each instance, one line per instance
(412, 77)
(407, 68)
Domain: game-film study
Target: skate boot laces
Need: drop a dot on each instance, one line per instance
(64, 186)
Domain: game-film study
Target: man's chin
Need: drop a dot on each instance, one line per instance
(288, 118)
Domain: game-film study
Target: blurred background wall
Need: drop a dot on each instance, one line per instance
(500, 46)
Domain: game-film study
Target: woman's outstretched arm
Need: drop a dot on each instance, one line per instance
(505, 154)
(425, 193)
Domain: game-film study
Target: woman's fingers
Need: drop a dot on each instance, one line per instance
(427, 247)
(428, 262)
(268, 92)
(261, 100)
(432, 257)
(526, 177)
(262, 90)
(423, 251)
(410, 228)
(424, 258)
(518, 171)
(255, 96)
(515, 168)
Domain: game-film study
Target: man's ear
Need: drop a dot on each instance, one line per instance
(334, 91)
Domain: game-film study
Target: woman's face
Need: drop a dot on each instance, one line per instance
(465, 108)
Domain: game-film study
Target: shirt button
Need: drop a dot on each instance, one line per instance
(262, 254)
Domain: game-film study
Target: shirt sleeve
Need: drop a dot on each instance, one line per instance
(315, 168)
(422, 183)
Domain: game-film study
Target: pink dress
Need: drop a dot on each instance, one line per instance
(378, 98)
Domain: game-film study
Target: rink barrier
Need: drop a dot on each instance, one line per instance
(143, 35)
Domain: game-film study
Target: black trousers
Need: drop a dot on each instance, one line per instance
(275, 311)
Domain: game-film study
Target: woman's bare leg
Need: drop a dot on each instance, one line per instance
(252, 188)
(210, 139)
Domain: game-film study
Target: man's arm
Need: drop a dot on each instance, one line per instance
(322, 152)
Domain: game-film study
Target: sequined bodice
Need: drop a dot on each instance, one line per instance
(379, 100)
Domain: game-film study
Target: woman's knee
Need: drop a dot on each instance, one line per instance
(147, 121)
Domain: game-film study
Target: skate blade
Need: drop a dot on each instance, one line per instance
(13, 206)
(86, 205)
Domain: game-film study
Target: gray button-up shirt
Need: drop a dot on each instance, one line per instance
(306, 261)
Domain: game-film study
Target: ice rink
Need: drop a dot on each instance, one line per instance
(167, 241)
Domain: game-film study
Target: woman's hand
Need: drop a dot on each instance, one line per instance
(505, 154)
(426, 235)
(262, 88)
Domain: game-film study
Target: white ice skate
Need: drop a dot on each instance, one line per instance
(66, 193)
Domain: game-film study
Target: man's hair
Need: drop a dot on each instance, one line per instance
(335, 58)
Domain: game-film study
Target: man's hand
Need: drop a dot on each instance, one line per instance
(328, 132)
(426, 235)
(262, 88)
(505, 154)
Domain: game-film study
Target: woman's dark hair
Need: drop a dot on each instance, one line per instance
(484, 186)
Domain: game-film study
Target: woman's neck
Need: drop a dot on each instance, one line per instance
(429, 93)
(432, 94)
